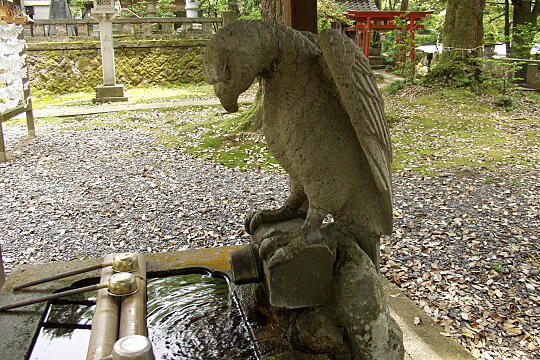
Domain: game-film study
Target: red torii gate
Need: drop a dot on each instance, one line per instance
(365, 21)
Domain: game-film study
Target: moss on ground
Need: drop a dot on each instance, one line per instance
(138, 95)
(432, 134)
(220, 137)
(450, 129)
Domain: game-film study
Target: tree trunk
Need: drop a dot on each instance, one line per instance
(463, 27)
(524, 27)
(462, 38)
(507, 25)
(404, 5)
(272, 10)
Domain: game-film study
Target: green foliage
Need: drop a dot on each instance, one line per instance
(523, 39)
(250, 10)
(329, 11)
(499, 74)
(494, 23)
(397, 48)
(164, 8)
(78, 5)
(394, 87)
(455, 70)
(504, 101)
(212, 8)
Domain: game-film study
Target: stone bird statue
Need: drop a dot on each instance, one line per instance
(323, 120)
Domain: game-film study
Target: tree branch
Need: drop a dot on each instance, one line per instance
(495, 18)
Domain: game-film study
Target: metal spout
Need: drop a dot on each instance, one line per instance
(246, 265)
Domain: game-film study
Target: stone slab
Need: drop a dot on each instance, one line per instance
(305, 280)
(423, 341)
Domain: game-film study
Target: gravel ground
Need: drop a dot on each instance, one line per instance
(464, 249)
(73, 194)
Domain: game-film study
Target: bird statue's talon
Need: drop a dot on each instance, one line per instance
(247, 221)
(256, 221)
(270, 245)
(252, 221)
(281, 256)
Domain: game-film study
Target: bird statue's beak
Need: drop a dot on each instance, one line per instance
(228, 98)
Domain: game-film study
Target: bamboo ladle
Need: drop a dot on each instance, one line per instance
(123, 262)
(120, 284)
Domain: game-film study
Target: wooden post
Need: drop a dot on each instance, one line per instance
(367, 37)
(3, 157)
(300, 14)
(27, 99)
(412, 53)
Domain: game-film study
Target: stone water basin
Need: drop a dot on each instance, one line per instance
(191, 314)
(20, 327)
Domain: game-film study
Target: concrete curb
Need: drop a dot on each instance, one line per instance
(422, 341)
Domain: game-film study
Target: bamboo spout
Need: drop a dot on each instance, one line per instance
(133, 308)
(106, 319)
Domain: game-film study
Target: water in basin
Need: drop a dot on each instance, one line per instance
(193, 317)
(189, 317)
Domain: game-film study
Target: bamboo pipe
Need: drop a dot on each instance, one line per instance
(123, 262)
(105, 320)
(133, 308)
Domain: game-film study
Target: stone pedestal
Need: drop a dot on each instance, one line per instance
(110, 93)
(328, 297)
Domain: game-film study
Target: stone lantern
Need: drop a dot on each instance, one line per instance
(105, 11)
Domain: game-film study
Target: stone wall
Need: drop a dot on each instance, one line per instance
(64, 67)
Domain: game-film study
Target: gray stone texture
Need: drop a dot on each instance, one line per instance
(360, 305)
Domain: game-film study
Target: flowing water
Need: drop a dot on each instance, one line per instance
(194, 317)
(190, 317)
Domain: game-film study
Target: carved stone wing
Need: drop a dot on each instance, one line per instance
(362, 101)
